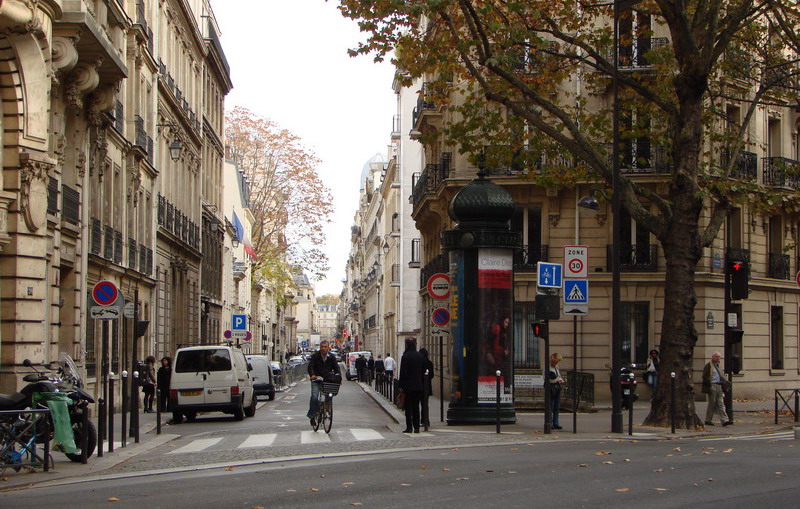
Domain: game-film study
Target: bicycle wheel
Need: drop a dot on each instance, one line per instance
(328, 418)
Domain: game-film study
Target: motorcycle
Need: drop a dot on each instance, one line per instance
(67, 381)
(627, 382)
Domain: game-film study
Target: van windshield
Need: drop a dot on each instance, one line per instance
(192, 361)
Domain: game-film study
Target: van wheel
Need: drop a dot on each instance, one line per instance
(191, 416)
(251, 410)
(177, 417)
(238, 414)
(271, 396)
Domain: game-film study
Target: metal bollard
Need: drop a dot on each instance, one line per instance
(124, 416)
(111, 412)
(630, 415)
(49, 425)
(425, 420)
(85, 434)
(135, 408)
(158, 411)
(796, 405)
(101, 425)
(672, 402)
(497, 402)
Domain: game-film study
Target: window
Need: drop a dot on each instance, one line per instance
(635, 332)
(527, 347)
(415, 251)
(776, 337)
(733, 228)
(634, 242)
(193, 361)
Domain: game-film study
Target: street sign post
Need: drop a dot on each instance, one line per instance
(105, 293)
(440, 317)
(576, 291)
(239, 322)
(576, 261)
(439, 286)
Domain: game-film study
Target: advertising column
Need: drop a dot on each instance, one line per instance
(495, 298)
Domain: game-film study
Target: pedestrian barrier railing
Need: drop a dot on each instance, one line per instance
(386, 386)
(786, 397)
(20, 431)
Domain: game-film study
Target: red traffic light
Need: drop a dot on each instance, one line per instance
(737, 266)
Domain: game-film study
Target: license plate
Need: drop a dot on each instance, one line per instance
(190, 393)
(626, 391)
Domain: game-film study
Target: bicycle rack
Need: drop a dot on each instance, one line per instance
(18, 436)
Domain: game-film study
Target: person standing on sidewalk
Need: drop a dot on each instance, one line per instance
(370, 370)
(714, 384)
(412, 374)
(149, 386)
(651, 373)
(556, 383)
(163, 378)
(389, 364)
(428, 389)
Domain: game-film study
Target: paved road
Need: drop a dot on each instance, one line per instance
(731, 473)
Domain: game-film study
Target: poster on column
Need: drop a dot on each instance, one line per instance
(456, 323)
(495, 302)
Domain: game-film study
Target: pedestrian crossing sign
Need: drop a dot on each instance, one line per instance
(576, 291)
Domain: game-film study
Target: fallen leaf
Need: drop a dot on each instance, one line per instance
(113, 499)
(490, 471)
(404, 484)
(445, 470)
(658, 470)
(348, 483)
(424, 467)
(582, 465)
(778, 473)
(677, 449)
(623, 490)
(323, 476)
(707, 452)
(608, 463)
(601, 453)
(257, 507)
(462, 478)
(4, 479)
(228, 469)
(728, 450)
(292, 491)
(515, 448)
(313, 490)
(356, 503)
(512, 471)
(710, 479)
(661, 489)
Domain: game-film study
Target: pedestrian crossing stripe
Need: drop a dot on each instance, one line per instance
(303, 437)
(781, 435)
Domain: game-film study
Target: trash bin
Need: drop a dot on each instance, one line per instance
(63, 438)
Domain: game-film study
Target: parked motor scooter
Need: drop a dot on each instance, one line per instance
(627, 382)
(69, 382)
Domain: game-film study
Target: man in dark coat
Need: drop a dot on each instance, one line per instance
(361, 367)
(370, 370)
(412, 378)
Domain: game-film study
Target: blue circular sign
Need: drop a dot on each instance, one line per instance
(440, 317)
(227, 334)
(105, 293)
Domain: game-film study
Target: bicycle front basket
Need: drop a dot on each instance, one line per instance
(330, 388)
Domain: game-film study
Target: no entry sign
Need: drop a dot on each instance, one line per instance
(105, 293)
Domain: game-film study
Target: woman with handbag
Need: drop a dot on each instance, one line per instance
(556, 384)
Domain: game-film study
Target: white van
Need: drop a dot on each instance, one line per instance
(263, 383)
(351, 373)
(211, 379)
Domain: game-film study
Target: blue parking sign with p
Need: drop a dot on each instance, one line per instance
(239, 322)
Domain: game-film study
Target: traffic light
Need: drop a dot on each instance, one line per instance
(540, 329)
(733, 359)
(739, 273)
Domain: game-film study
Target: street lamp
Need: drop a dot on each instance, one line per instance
(175, 149)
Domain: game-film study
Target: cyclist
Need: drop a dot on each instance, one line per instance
(321, 365)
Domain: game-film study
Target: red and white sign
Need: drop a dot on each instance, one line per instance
(495, 268)
(105, 293)
(440, 317)
(797, 278)
(576, 260)
(439, 286)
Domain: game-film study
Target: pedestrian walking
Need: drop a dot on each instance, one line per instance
(412, 373)
(149, 384)
(556, 384)
(715, 385)
(389, 365)
(370, 370)
(379, 368)
(361, 368)
(428, 389)
(163, 378)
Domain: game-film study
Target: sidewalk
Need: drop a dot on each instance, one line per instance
(750, 418)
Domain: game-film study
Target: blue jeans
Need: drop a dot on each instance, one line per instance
(555, 404)
(313, 404)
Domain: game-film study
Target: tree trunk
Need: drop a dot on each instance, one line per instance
(682, 251)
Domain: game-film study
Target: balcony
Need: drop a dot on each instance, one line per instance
(438, 265)
(781, 172)
(141, 134)
(526, 259)
(634, 55)
(424, 104)
(745, 167)
(162, 207)
(634, 258)
(430, 178)
(778, 266)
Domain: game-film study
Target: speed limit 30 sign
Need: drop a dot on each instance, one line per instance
(576, 260)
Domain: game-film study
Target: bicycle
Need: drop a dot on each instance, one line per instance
(18, 437)
(325, 405)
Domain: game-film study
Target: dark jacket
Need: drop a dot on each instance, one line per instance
(379, 366)
(163, 376)
(319, 367)
(429, 367)
(371, 364)
(412, 371)
(361, 363)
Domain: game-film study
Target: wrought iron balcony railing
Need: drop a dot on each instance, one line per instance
(745, 167)
(435, 266)
(634, 258)
(778, 266)
(781, 172)
(526, 259)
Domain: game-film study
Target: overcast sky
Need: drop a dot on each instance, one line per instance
(289, 62)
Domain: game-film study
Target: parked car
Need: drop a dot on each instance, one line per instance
(296, 360)
(211, 379)
(263, 381)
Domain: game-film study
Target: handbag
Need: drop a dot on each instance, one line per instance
(400, 400)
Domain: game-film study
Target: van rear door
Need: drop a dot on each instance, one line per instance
(221, 376)
(195, 374)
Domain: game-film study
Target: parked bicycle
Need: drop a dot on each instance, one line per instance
(18, 439)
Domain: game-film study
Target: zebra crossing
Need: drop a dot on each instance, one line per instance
(780, 435)
(304, 437)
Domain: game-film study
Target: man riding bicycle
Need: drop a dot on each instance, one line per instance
(321, 365)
